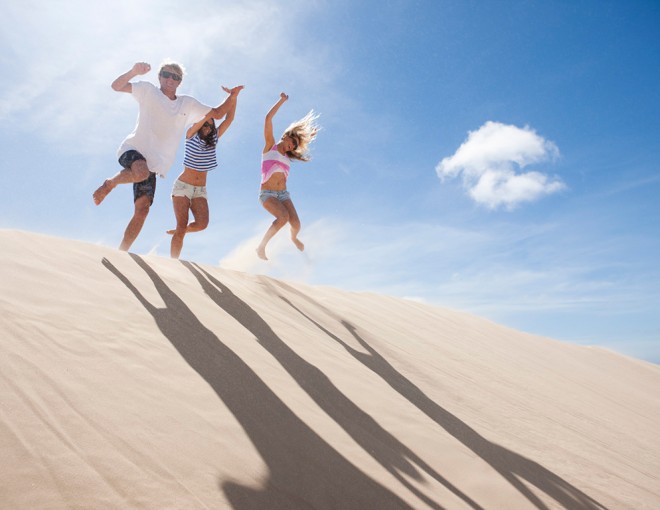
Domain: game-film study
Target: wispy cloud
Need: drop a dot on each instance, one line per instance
(322, 238)
(491, 163)
(71, 63)
(494, 271)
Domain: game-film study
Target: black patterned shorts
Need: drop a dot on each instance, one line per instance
(130, 157)
(146, 187)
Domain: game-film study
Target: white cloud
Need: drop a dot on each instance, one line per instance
(491, 163)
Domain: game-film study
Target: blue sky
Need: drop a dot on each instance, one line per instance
(497, 157)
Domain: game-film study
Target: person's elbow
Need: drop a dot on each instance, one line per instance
(121, 87)
(218, 112)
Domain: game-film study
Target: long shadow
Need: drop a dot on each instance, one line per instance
(393, 455)
(304, 470)
(515, 468)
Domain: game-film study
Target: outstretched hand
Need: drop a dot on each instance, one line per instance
(283, 96)
(234, 91)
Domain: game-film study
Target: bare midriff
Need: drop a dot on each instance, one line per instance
(193, 177)
(276, 182)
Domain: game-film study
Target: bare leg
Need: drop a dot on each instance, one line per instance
(142, 205)
(137, 173)
(181, 208)
(277, 209)
(294, 221)
(200, 210)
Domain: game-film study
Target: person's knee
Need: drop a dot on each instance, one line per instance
(181, 222)
(141, 174)
(201, 220)
(140, 171)
(142, 209)
(280, 221)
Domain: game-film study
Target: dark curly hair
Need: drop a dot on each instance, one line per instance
(210, 138)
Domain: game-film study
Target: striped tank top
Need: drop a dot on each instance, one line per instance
(199, 156)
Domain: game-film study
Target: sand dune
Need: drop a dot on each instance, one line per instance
(142, 382)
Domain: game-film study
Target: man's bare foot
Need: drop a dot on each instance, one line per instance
(261, 252)
(170, 232)
(102, 191)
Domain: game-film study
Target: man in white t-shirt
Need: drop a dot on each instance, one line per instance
(151, 148)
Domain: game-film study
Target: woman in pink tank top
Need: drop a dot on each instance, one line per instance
(275, 164)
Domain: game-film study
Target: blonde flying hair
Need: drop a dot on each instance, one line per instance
(304, 132)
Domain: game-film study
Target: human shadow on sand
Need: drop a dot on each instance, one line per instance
(304, 470)
(387, 450)
(515, 468)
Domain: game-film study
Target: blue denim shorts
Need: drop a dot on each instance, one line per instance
(282, 196)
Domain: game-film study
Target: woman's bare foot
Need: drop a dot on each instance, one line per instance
(170, 232)
(261, 252)
(298, 243)
(102, 191)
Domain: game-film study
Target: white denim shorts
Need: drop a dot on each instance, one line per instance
(182, 189)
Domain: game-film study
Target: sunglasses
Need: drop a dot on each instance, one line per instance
(174, 76)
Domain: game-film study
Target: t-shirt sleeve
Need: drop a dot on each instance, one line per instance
(140, 89)
(196, 110)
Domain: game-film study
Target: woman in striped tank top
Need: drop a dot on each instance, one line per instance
(275, 164)
(189, 190)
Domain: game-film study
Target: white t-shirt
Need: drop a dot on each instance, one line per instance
(160, 125)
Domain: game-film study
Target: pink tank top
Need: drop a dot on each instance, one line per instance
(273, 162)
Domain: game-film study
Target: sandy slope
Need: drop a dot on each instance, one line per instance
(143, 382)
